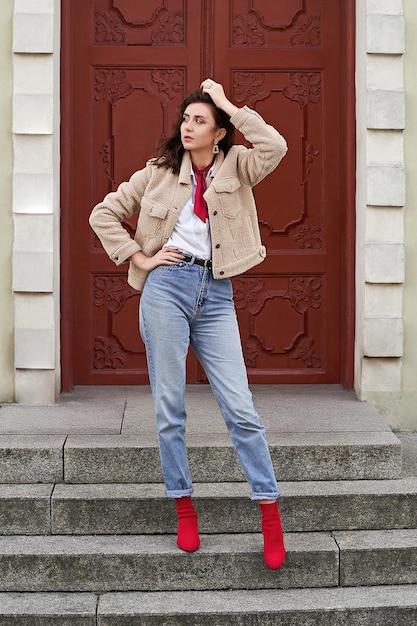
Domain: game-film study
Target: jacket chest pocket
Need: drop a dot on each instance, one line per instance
(152, 217)
(228, 199)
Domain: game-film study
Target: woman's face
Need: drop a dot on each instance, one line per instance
(198, 128)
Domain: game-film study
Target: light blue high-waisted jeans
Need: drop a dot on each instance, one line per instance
(182, 305)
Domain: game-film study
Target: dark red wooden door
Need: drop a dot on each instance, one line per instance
(127, 66)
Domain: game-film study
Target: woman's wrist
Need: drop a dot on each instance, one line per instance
(138, 259)
(229, 108)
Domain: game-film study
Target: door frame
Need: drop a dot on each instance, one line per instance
(348, 162)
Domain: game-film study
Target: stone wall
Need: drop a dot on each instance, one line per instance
(6, 221)
(380, 198)
(36, 118)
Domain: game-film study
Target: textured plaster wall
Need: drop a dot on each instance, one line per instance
(6, 218)
(408, 406)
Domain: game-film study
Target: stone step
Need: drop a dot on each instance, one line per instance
(154, 563)
(383, 606)
(128, 459)
(370, 606)
(296, 457)
(377, 557)
(48, 609)
(222, 507)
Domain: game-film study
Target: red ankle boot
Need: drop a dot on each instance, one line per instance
(188, 538)
(274, 549)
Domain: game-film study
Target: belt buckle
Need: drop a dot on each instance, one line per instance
(192, 259)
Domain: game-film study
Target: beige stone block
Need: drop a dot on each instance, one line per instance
(384, 263)
(36, 387)
(35, 348)
(33, 232)
(33, 192)
(33, 114)
(34, 310)
(391, 7)
(37, 6)
(33, 154)
(385, 147)
(33, 73)
(386, 186)
(380, 374)
(384, 224)
(385, 34)
(33, 271)
(385, 109)
(385, 71)
(383, 300)
(383, 337)
(33, 32)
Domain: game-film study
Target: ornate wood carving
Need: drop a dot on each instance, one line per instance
(297, 28)
(277, 17)
(169, 83)
(307, 31)
(112, 292)
(108, 353)
(310, 154)
(247, 294)
(308, 236)
(304, 351)
(107, 157)
(303, 294)
(304, 87)
(169, 27)
(246, 31)
(284, 58)
(117, 25)
(111, 84)
(247, 86)
(109, 28)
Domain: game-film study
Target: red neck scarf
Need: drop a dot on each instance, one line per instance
(200, 205)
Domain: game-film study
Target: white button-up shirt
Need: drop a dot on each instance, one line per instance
(191, 234)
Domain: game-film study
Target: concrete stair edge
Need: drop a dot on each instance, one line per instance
(222, 507)
(115, 459)
(152, 563)
(333, 606)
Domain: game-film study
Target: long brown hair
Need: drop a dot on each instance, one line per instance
(170, 149)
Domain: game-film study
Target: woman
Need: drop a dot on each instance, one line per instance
(198, 227)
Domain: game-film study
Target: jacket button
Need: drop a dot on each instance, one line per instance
(217, 245)
(221, 273)
(214, 212)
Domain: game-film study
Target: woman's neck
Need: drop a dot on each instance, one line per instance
(202, 160)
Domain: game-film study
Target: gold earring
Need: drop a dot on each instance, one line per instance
(216, 148)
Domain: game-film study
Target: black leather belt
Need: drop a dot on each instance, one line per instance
(193, 260)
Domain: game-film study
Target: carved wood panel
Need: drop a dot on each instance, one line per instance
(285, 63)
(132, 63)
(265, 24)
(150, 23)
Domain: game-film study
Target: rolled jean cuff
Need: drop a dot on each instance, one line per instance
(265, 496)
(179, 493)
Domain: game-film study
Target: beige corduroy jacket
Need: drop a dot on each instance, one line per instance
(159, 196)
